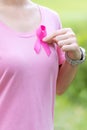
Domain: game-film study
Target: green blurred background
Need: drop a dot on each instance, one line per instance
(71, 107)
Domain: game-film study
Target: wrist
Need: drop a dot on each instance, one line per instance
(76, 62)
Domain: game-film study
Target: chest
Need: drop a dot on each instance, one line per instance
(19, 54)
(21, 20)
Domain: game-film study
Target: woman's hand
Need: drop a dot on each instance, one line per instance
(66, 40)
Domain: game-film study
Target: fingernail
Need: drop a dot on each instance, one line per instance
(44, 39)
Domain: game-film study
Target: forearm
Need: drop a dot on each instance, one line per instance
(67, 41)
(66, 75)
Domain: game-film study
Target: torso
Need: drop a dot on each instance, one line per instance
(27, 79)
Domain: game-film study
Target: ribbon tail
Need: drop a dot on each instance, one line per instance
(46, 48)
(37, 46)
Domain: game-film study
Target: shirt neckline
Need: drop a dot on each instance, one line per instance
(23, 34)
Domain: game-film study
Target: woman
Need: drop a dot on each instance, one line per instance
(37, 60)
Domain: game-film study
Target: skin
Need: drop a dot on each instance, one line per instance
(15, 2)
(20, 15)
(66, 40)
(22, 11)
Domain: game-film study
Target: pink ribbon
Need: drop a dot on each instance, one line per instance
(41, 33)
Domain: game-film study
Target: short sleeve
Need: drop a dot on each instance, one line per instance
(61, 54)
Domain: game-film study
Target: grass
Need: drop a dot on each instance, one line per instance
(63, 5)
(68, 10)
(69, 116)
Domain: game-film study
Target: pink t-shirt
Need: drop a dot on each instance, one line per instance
(28, 79)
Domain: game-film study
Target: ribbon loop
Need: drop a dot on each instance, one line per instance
(41, 33)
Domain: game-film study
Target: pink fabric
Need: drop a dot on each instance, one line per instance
(28, 79)
(41, 33)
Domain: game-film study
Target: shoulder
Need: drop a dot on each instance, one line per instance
(52, 15)
(49, 11)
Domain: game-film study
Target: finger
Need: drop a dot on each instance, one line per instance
(66, 42)
(71, 47)
(52, 36)
(73, 51)
(64, 36)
